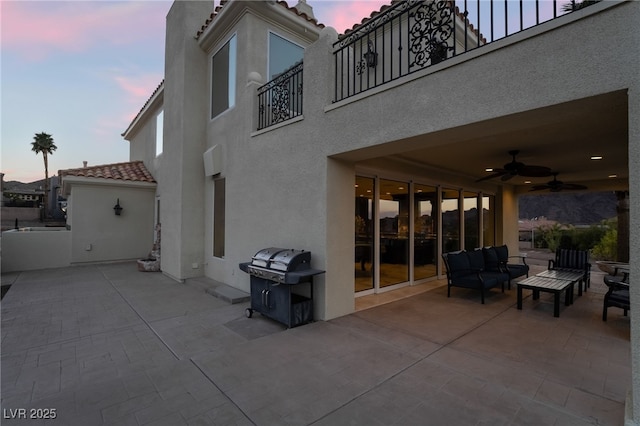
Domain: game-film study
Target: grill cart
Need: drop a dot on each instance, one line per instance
(274, 273)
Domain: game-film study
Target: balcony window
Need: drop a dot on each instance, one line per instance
(283, 54)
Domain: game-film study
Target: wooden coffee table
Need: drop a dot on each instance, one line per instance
(548, 285)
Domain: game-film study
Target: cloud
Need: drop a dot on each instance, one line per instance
(35, 30)
(343, 15)
(137, 89)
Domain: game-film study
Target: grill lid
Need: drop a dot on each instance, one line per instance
(291, 260)
(280, 259)
(263, 257)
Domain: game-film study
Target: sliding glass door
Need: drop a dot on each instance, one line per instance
(402, 227)
(425, 231)
(393, 208)
(364, 233)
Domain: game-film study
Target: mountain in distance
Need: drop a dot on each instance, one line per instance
(581, 208)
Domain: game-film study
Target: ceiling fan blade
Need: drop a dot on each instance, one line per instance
(534, 171)
(508, 176)
(493, 175)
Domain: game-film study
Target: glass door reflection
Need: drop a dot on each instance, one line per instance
(471, 221)
(450, 220)
(425, 231)
(394, 232)
(364, 233)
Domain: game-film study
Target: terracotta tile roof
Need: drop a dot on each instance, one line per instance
(280, 2)
(130, 171)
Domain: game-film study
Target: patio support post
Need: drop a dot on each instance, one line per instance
(632, 416)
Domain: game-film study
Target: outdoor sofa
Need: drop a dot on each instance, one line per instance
(467, 269)
(498, 258)
(482, 269)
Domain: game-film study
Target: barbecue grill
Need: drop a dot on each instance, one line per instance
(274, 273)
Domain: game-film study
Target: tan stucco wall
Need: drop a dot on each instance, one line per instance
(98, 235)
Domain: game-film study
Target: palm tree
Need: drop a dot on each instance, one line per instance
(574, 5)
(43, 143)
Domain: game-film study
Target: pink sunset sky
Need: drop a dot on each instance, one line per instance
(81, 70)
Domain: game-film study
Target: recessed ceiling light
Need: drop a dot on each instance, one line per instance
(527, 182)
(613, 176)
(596, 157)
(488, 169)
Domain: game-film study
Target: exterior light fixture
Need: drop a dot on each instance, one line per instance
(117, 208)
(370, 57)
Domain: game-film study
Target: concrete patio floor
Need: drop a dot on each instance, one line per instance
(106, 344)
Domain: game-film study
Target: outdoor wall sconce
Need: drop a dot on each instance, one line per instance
(117, 208)
(370, 56)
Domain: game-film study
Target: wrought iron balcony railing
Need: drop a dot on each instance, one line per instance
(280, 99)
(415, 34)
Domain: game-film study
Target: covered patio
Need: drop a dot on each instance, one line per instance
(106, 344)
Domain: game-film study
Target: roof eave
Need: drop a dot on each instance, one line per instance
(70, 181)
(156, 99)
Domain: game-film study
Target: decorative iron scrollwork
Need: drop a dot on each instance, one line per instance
(280, 102)
(430, 32)
(282, 97)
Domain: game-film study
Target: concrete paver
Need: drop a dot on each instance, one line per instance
(106, 344)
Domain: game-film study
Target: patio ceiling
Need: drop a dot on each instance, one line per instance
(562, 137)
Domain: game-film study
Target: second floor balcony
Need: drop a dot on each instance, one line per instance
(404, 38)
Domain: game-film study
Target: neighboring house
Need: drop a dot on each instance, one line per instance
(367, 149)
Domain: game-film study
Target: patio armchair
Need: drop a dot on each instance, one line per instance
(618, 293)
(574, 261)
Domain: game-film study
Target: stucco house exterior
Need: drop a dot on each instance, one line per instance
(369, 148)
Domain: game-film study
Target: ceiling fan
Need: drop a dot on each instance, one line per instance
(556, 185)
(516, 168)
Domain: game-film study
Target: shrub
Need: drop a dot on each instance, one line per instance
(607, 247)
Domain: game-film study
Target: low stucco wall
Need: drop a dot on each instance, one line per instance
(35, 249)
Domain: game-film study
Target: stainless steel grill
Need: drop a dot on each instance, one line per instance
(274, 272)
